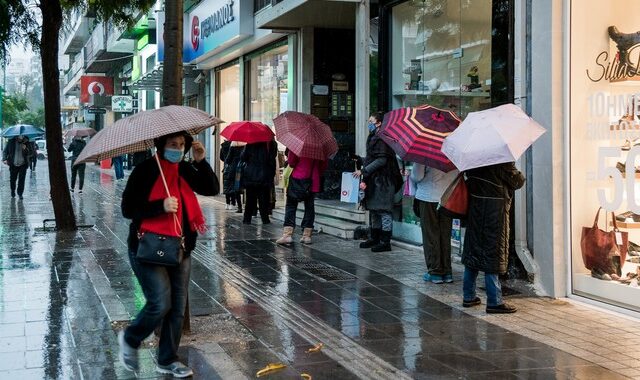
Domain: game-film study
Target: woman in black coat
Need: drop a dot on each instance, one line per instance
(486, 243)
(230, 154)
(165, 287)
(259, 171)
(381, 174)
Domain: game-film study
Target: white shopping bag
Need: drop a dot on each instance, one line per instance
(349, 188)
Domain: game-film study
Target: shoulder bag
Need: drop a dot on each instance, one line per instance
(604, 251)
(455, 199)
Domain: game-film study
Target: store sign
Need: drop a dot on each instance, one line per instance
(95, 85)
(215, 24)
(122, 103)
(623, 63)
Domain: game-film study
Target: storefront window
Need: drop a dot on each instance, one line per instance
(605, 150)
(227, 99)
(268, 92)
(441, 54)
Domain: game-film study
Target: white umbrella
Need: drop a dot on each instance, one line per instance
(490, 137)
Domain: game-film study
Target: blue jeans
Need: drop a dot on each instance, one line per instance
(117, 167)
(491, 282)
(166, 290)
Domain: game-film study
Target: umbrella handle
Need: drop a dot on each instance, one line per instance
(166, 187)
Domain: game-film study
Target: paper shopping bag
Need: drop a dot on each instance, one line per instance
(349, 188)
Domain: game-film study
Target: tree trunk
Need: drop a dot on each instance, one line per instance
(172, 67)
(62, 208)
(172, 77)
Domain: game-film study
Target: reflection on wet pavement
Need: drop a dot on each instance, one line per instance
(61, 292)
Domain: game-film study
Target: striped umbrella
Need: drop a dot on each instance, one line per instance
(305, 135)
(416, 134)
(137, 132)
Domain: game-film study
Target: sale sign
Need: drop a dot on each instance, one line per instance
(95, 85)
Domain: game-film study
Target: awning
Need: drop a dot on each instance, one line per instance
(150, 81)
(293, 14)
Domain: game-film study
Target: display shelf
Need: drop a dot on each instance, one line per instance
(627, 127)
(472, 94)
(608, 290)
(634, 80)
(628, 225)
(624, 175)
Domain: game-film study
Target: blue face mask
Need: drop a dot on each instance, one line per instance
(372, 127)
(173, 155)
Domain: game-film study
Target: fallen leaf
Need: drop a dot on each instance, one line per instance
(315, 348)
(305, 376)
(270, 368)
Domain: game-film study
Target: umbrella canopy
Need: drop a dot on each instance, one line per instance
(247, 131)
(80, 132)
(416, 134)
(490, 137)
(136, 133)
(305, 135)
(23, 130)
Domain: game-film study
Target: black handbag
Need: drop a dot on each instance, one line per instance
(160, 249)
(299, 189)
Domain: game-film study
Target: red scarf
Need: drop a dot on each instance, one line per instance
(166, 223)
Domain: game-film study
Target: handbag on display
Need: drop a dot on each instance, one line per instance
(604, 251)
(455, 199)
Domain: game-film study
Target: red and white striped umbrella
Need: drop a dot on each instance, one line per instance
(137, 132)
(305, 135)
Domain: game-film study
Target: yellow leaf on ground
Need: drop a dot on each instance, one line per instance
(270, 368)
(315, 348)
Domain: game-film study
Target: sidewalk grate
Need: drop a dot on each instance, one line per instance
(318, 269)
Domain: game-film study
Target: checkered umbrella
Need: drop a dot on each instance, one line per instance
(136, 133)
(305, 135)
(416, 134)
(80, 132)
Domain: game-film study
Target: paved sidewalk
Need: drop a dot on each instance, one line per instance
(62, 295)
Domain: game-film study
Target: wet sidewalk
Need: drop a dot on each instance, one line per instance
(63, 296)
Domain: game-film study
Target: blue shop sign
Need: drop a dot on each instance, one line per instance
(214, 25)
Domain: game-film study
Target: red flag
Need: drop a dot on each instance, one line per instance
(92, 85)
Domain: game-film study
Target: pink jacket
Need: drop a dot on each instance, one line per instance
(304, 168)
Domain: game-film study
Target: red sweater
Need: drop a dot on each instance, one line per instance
(304, 168)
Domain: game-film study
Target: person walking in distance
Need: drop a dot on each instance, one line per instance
(381, 176)
(304, 183)
(435, 225)
(486, 241)
(117, 163)
(230, 154)
(146, 203)
(75, 148)
(259, 161)
(16, 155)
(34, 156)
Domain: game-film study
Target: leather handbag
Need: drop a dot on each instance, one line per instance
(160, 249)
(455, 199)
(299, 189)
(603, 250)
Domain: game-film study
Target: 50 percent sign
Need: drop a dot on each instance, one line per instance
(619, 185)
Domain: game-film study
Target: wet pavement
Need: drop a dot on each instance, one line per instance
(62, 294)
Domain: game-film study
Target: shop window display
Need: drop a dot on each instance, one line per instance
(268, 89)
(605, 151)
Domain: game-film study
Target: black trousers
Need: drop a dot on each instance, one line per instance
(291, 207)
(33, 163)
(79, 171)
(436, 239)
(234, 199)
(257, 197)
(17, 174)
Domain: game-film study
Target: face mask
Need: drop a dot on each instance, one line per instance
(372, 127)
(173, 155)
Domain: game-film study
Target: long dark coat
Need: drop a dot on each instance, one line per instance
(231, 159)
(486, 242)
(260, 160)
(383, 182)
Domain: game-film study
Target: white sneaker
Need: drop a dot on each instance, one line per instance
(176, 369)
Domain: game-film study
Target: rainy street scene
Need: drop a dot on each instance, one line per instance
(319, 189)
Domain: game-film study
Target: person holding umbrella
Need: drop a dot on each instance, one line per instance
(382, 179)
(76, 146)
(17, 155)
(259, 160)
(230, 154)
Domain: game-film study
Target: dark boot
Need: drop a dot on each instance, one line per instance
(385, 242)
(374, 239)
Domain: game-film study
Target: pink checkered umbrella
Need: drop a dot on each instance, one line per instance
(80, 132)
(136, 133)
(305, 135)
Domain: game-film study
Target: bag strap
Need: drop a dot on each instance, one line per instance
(613, 218)
(595, 221)
(176, 222)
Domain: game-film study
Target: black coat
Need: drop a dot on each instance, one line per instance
(260, 164)
(486, 242)
(75, 148)
(384, 181)
(231, 159)
(28, 153)
(135, 198)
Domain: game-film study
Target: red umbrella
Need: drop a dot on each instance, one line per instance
(416, 134)
(305, 135)
(247, 131)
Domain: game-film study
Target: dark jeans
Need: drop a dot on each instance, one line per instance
(33, 163)
(17, 173)
(436, 239)
(260, 197)
(309, 212)
(234, 199)
(79, 171)
(117, 167)
(166, 290)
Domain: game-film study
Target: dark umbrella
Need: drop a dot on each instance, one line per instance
(22, 130)
(416, 134)
(305, 135)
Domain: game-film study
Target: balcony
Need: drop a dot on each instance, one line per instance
(288, 14)
(72, 77)
(98, 58)
(77, 35)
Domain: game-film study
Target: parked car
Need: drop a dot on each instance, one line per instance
(42, 151)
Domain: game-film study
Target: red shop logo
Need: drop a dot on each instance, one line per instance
(195, 33)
